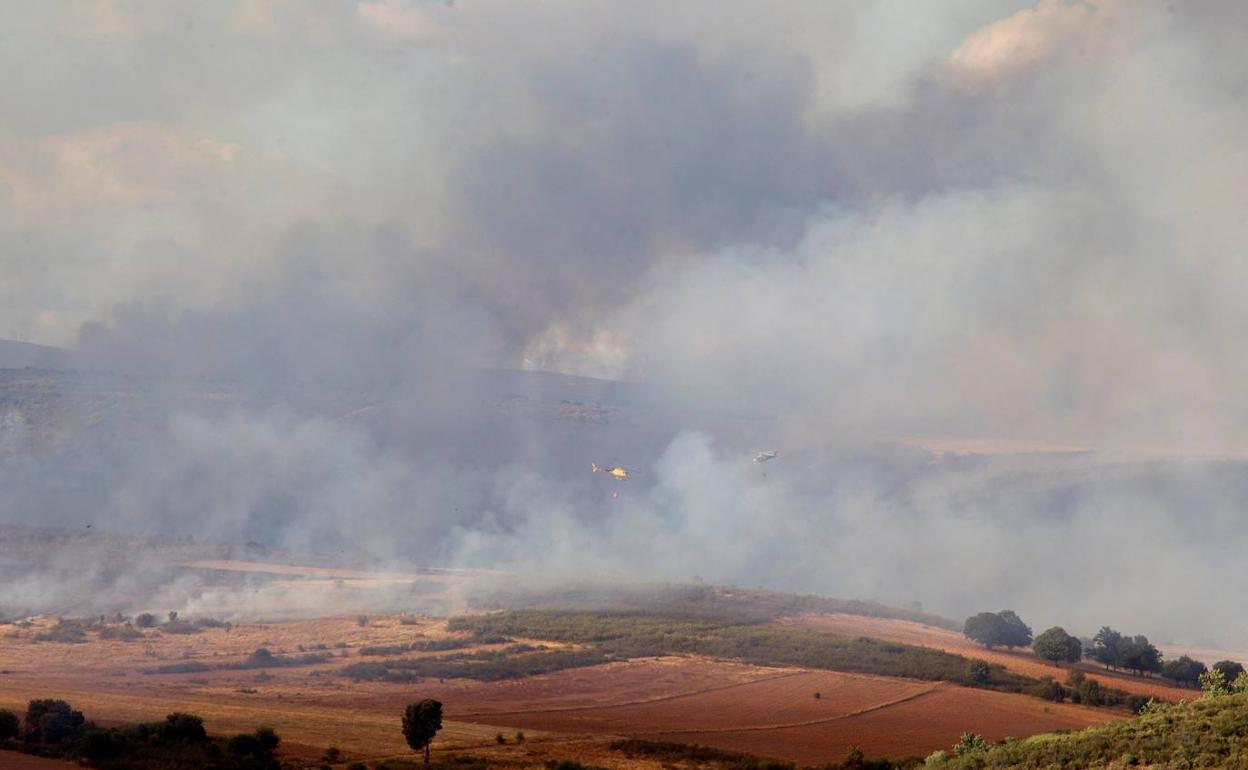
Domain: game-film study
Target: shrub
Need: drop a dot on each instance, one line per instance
(1049, 689)
(145, 620)
(190, 667)
(183, 727)
(970, 743)
(65, 630)
(978, 671)
(260, 744)
(120, 633)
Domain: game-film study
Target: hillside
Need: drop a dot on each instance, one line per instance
(791, 694)
(27, 355)
(1206, 733)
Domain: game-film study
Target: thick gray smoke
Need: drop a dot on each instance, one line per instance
(926, 251)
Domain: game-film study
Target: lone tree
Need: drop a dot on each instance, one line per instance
(992, 628)
(421, 721)
(1058, 646)
(985, 628)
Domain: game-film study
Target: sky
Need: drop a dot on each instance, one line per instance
(1003, 223)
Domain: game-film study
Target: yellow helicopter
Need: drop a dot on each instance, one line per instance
(623, 474)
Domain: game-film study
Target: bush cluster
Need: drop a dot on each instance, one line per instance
(1206, 733)
(53, 728)
(487, 666)
(261, 658)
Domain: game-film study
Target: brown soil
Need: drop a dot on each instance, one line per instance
(915, 727)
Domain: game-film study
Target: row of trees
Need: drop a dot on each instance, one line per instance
(52, 728)
(1110, 648)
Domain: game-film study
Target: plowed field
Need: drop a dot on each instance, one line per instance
(914, 727)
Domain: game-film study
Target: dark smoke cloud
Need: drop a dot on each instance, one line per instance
(823, 229)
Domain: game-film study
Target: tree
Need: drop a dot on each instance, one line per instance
(180, 726)
(421, 721)
(992, 628)
(987, 628)
(145, 620)
(1017, 633)
(1184, 670)
(1105, 647)
(52, 721)
(1139, 655)
(255, 750)
(1058, 646)
(1230, 670)
(10, 725)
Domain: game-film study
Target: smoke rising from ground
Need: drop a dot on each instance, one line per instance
(817, 228)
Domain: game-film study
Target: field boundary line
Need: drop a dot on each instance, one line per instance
(760, 728)
(622, 704)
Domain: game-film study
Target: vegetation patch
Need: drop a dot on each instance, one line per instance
(742, 605)
(487, 666)
(52, 728)
(431, 645)
(1209, 733)
(632, 635)
(259, 659)
(669, 752)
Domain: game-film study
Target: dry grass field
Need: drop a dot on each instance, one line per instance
(566, 714)
(1022, 661)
